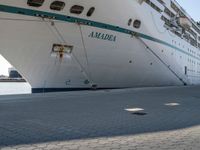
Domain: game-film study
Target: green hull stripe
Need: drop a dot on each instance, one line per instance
(35, 13)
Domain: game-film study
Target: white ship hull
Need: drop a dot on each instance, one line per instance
(145, 57)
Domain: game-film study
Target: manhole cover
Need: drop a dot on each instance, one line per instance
(139, 113)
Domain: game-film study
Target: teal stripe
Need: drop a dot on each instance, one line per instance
(30, 12)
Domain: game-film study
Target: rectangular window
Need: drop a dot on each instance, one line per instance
(153, 6)
(35, 3)
(185, 70)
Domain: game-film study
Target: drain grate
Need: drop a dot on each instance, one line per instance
(139, 113)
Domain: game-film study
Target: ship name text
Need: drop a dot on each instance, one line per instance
(103, 36)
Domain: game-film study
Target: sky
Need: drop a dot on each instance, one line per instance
(191, 6)
(4, 65)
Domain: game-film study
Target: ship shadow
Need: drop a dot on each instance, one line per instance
(66, 116)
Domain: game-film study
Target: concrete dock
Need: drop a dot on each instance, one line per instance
(168, 118)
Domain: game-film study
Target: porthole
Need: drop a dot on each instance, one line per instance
(129, 22)
(57, 5)
(77, 9)
(35, 3)
(90, 11)
(137, 23)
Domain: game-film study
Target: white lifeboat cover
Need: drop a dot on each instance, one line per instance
(185, 22)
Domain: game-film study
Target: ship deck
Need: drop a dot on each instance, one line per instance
(168, 119)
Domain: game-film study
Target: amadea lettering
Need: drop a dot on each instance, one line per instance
(103, 36)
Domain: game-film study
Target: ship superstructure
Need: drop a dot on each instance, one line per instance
(82, 44)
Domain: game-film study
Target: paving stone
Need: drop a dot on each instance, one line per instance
(7, 148)
(97, 120)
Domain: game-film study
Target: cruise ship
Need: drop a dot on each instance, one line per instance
(63, 45)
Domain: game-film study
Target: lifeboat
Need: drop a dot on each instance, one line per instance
(185, 22)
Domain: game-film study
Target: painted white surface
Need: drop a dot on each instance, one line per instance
(14, 88)
(134, 109)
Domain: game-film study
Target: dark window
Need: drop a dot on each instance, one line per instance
(90, 11)
(57, 5)
(137, 23)
(186, 70)
(35, 3)
(129, 22)
(14, 74)
(76, 9)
